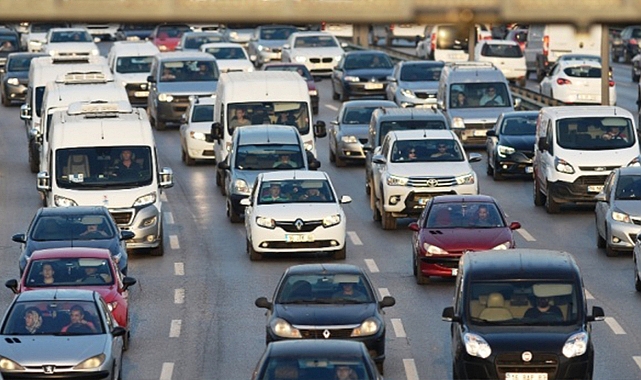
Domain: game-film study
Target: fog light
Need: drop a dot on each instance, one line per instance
(348, 153)
(333, 243)
(504, 166)
(394, 199)
(616, 239)
(264, 244)
(150, 238)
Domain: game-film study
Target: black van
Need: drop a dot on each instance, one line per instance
(521, 314)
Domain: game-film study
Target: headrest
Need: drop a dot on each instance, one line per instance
(495, 300)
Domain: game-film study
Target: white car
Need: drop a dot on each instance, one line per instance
(504, 54)
(229, 56)
(295, 211)
(318, 51)
(70, 42)
(194, 130)
(576, 82)
(36, 35)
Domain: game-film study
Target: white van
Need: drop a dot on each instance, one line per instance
(262, 97)
(71, 88)
(42, 71)
(577, 148)
(130, 63)
(105, 154)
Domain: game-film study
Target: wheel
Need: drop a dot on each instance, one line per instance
(219, 181)
(332, 156)
(626, 57)
(539, 74)
(551, 206)
(637, 281)
(489, 169)
(5, 101)
(539, 198)
(339, 162)
(160, 125)
(315, 110)
(376, 215)
(34, 158)
(253, 255)
(455, 375)
(335, 95)
(340, 254)
(380, 367)
(343, 96)
(188, 160)
(125, 341)
(368, 186)
(160, 249)
(223, 190)
(420, 278)
(496, 175)
(635, 78)
(600, 242)
(233, 217)
(388, 222)
(609, 251)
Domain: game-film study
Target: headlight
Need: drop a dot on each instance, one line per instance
(162, 48)
(165, 98)
(308, 145)
(266, 222)
(10, 365)
(53, 53)
(393, 180)
(91, 363)
(283, 329)
(563, 166)
(233, 34)
(145, 200)
(369, 327)
(458, 123)
(240, 187)
(465, 179)
(63, 202)
(351, 78)
(313, 92)
(95, 52)
(331, 220)
(13, 81)
(349, 139)
(476, 346)
(621, 217)
(338, 58)
(505, 245)
(260, 47)
(433, 250)
(408, 93)
(112, 306)
(300, 59)
(505, 150)
(197, 135)
(576, 345)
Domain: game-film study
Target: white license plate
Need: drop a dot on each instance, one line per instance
(454, 272)
(299, 238)
(595, 188)
(141, 94)
(457, 57)
(373, 86)
(479, 132)
(526, 376)
(529, 169)
(586, 97)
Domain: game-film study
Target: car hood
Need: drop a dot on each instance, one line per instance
(240, 35)
(188, 88)
(318, 52)
(75, 47)
(204, 127)
(628, 206)
(487, 115)
(293, 211)
(463, 239)
(361, 131)
(334, 314)
(64, 350)
(522, 142)
(427, 86)
(369, 73)
(532, 338)
(226, 65)
(429, 169)
(132, 77)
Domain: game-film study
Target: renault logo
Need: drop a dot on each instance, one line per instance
(526, 356)
(299, 224)
(48, 369)
(326, 334)
(432, 182)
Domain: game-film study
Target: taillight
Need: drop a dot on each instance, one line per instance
(323, 25)
(611, 83)
(546, 45)
(561, 81)
(633, 41)
(433, 42)
(391, 27)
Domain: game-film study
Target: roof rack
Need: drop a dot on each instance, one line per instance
(84, 77)
(99, 108)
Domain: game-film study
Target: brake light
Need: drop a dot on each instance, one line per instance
(611, 83)
(433, 42)
(633, 41)
(391, 27)
(562, 81)
(323, 25)
(546, 45)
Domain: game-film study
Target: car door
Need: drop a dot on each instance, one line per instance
(153, 88)
(603, 207)
(249, 210)
(337, 76)
(547, 84)
(392, 86)
(378, 170)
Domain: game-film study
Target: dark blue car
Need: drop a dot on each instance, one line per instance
(361, 73)
(510, 144)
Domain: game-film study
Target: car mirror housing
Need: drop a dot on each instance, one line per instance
(414, 227)
(263, 303)
(320, 129)
(223, 165)
(515, 225)
(118, 331)
(379, 159)
(449, 316)
(387, 301)
(597, 314)
(19, 238)
(13, 285)
(127, 235)
(345, 199)
(475, 157)
(127, 282)
(151, 79)
(245, 202)
(600, 197)
(490, 133)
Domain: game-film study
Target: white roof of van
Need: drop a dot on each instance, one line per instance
(67, 94)
(586, 111)
(133, 48)
(43, 70)
(262, 86)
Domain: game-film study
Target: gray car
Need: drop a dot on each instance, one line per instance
(267, 42)
(414, 83)
(60, 333)
(349, 132)
(15, 77)
(618, 210)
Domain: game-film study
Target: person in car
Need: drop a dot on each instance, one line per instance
(442, 152)
(239, 119)
(78, 322)
(274, 194)
(32, 322)
(491, 97)
(614, 133)
(313, 194)
(460, 101)
(47, 274)
(544, 310)
(347, 291)
(93, 231)
(92, 275)
(284, 162)
(483, 218)
(344, 372)
(127, 167)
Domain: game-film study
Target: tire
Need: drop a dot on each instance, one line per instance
(496, 175)
(218, 178)
(376, 215)
(368, 186)
(125, 341)
(380, 366)
(551, 206)
(388, 222)
(160, 249)
(420, 278)
(332, 156)
(335, 95)
(539, 198)
(188, 160)
(160, 125)
(343, 97)
(600, 242)
(233, 217)
(341, 254)
(635, 78)
(5, 101)
(339, 162)
(637, 281)
(609, 251)
(489, 169)
(34, 158)
(253, 255)
(223, 190)
(455, 375)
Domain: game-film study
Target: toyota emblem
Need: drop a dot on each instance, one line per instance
(526, 356)
(432, 182)
(299, 224)
(326, 334)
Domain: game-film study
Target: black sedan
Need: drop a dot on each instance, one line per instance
(327, 301)
(15, 77)
(510, 144)
(316, 360)
(361, 73)
(74, 226)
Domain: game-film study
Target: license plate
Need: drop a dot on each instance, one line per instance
(586, 97)
(457, 57)
(529, 169)
(479, 132)
(526, 376)
(299, 238)
(595, 188)
(373, 86)
(454, 272)
(141, 94)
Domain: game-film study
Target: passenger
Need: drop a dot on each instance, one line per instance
(347, 291)
(411, 154)
(93, 276)
(460, 101)
(47, 273)
(239, 119)
(344, 372)
(483, 218)
(78, 322)
(544, 311)
(614, 133)
(32, 322)
(274, 194)
(491, 97)
(313, 194)
(127, 167)
(167, 75)
(93, 231)
(284, 162)
(286, 118)
(442, 152)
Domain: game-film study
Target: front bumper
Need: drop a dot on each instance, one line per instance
(421, 99)
(285, 238)
(364, 88)
(404, 201)
(199, 149)
(515, 163)
(583, 189)
(440, 265)
(137, 93)
(145, 222)
(62, 373)
(171, 111)
(268, 56)
(350, 151)
(623, 236)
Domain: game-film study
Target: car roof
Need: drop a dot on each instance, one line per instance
(202, 34)
(58, 294)
(183, 55)
(423, 134)
(70, 252)
(579, 62)
(369, 103)
(463, 198)
(315, 347)
(282, 175)
(399, 113)
(267, 134)
(364, 52)
(221, 44)
(308, 33)
(586, 111)
(74, 210)
(324, 268)
(519, 263)
(134, 47)
(53, 30)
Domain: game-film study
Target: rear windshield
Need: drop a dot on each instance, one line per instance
(451, 37)
(595, 133)
(505, 51)
(583, 72)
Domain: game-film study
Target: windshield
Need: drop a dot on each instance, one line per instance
(426, 151)
(19, 63)
(269, 156)
(226, 52)
(69, 272)
(519, 125)
(474, 95)
(325, 288)
(71, 36)
(451, 37)
(464, 215)
(194, 42)
(324, 367)
(8, 44)
(523, 303)
(203, 113)
(127, 65)
(109, 167)
(595, 133)
(58, 317)
(628, 187)
(300, 69)
(402, 125)
(44, 28)
(358, 115)
(285, 113)
(367, 61)
(189, 71)
(315, 41)
(172, 31)
(501, 50)
(296, 191)
(421, 73)
(72, 227)
(276, 33)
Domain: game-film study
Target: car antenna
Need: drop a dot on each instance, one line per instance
(424, 133)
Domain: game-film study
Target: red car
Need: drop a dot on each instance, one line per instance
(302, 70)
(79, 267)
(451, 225)
(167, 36)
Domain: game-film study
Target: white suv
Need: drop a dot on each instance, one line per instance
(398, 191)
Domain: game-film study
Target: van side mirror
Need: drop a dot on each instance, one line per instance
(286, 46)
(223, 165)
(600, 197)
(387, 301)
(217, 131)
(542, 143)
(43, 183)
(490, 133)
(345, 199)
(449, 316)
(166, 179)
(320, 129)
(25, 112)
(151, 79)
(597, 314)
(314, 164)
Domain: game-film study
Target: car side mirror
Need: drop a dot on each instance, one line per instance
(127, 235)
(367, 148)
(391, 79)
(245, 202)
(166, 179)
(542, 143)
(344, 44)
(223, 165)
(475, 157)
(345, 199)
(263, 303)
(151, 79)
(439, 104)
(127, 282)
(515, 226)
(320, 129)
(314, 164)
(387, 301)
(600, 197)
(19, 238)
(379, 159)
(118, 331)
(449, 316)
(217, 130)
(414, 227)
(286, 46)
(13, 285)
(597, 314)
(183, 119)
(25, 112)
(490, 133)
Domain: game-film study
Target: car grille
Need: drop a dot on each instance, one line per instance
(333, 333)
(209, 153)
(431, 182)
(276, 50)
(122, 217)
(372, 79)
(425, 95)
(323, 60)
(307, 226)
(285, 245)
(544, 363)
(598, 168)
(479, 126)
(363, 141)
(591, 180)
(72, 54)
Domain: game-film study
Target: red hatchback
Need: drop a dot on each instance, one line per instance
(167, 36)
(451, 225)
(79, 268)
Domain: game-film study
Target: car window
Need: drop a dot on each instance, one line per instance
(71, 227)
(628, 187)
(595, 133)
(402, 125)
(367, 61)
(358, 115)
(69, 272)
(281, 33)
(189, 71)
(301, 69)
(519, 126)
(426, 151)
(127, 65)
(268, 156)
(421, 73)
(226, 52)
(203, 113)
(19, 63)
(303, 367)
(194, 42)
(501, 50)
(314, 41)
(583, 72)
(324, 288)
(485, 94)
(464, 215)
(71, 36)
(297, 191)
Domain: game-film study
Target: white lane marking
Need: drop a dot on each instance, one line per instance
(179, 296)
(614, 325)
(637, 359)
(384, 292)
(169, 217)
(179, 269)
(163, 197)
(354, 238)
(174, 330)
(588, 295)
(331, 107)
(410, 369)
(167, 371)
(399, 330)
(526, 235)
(371, 265)
(173, 242)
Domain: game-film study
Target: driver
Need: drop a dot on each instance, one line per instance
(92, 275)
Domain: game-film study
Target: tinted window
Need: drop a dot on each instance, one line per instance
(203, 113)
(268, 156)
(490, 94)
(296, 191)
(19, 63)
(226, 52)
(194, 42)
(583, 72)
(426, 151)
(518, 126)
(421, 73)
(451, 37)
(189, 71)
(69, 272)
(317, 368)
(71, 36)
(71, 227)
(276, 33)
(506, 51)
(327, 287)
(172, 31)
(367, 61)
(628, 187)
(295, 114)
(44, 28)
(300, 69)
(595, 133)
(126, 65)
(358, 115)
(8, 43)
(315, 41)
(52, 318)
